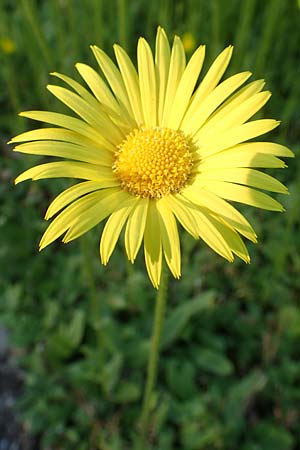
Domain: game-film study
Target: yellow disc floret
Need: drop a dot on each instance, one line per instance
(153, 162)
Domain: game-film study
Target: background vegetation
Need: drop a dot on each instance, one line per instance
(230, 368)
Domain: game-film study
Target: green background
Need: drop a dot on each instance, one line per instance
(229, 375)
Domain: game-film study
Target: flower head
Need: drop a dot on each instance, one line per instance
(7, 45)
(189, 42)
(155, 148)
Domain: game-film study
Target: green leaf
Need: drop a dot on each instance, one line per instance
(74, 331)
(160, 415)
(289, 320)
(58, 347)
(195, 438)
(12, 296)
(214, 362)
(190, 410)
(110, 373)
(273, 437)
(241, 393)
(127, 392)
(51, 314)
(182, 314)
(62, 343)
(180, 377)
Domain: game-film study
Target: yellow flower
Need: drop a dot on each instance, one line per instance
(7, 46)
(188, 41)
(154, 149)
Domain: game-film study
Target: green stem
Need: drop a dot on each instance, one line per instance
(216, 25)
(164, 14)
(122, 25)
(98, 22)
(243, 31)
(7, 64)
(11, 84)
(154, 351)
(58, 20)
(273, 14)
(34, 24)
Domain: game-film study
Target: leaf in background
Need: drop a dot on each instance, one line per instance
(241, 394)
(62, 343)
(182, 314)
(136, 352)
(214, 361)
(111, 372)
(160, 415)
(12, 296)
(51, 314)
(289, 321)
(191, 410)
(127, 392)
(272, 437)
(181, 377)
(74, 331)
(58, 347)
(194, 437)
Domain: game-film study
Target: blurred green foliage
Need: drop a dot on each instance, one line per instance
(230, 367)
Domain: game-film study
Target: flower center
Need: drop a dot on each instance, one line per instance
(153, 162)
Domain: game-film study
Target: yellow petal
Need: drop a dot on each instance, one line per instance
(266, 148)
(135, 227)
(67, 150)
(181, 211)
(131, 81)
(209, 233)
(222, 141)
(177, 66)
(193, 122)
(248, 177)
(111, 201)
(113, 228)
(232, 238)
(71, 123)
(243, 194)
(113, 77)
(162, 64)
(241, 113)
(152, 245)
(185, 88)
(240, 157)
(209, 82)
(69, 169)
(86, 95)
(91, 115)
(69, 195)
(261, 151)
(118, 115)
(220, 207)
(169, 237)
(229, 105)
(65, 219)
(147, 83)
(57, 134)
(101, 90)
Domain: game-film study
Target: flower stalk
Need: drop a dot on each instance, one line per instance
(154, 351)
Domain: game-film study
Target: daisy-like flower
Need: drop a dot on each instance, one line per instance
(154, 149)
